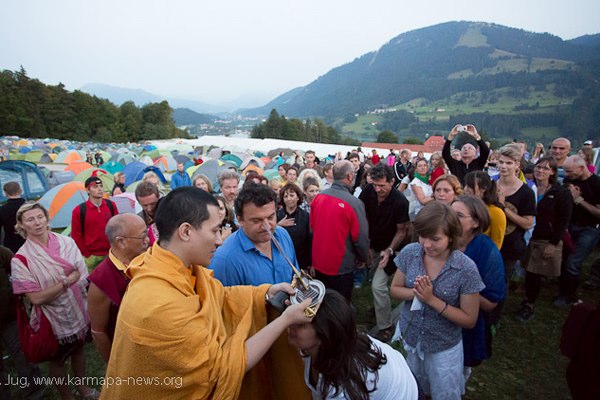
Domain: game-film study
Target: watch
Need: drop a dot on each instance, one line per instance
(391, 251)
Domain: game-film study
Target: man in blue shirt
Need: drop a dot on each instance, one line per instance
(248, 257)
(180, 178)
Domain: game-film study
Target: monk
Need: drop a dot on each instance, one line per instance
(180, 334)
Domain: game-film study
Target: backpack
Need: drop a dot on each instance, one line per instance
(82, 210)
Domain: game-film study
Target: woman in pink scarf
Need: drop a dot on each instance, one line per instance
(50, 271)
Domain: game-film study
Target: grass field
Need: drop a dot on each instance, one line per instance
(526, 364)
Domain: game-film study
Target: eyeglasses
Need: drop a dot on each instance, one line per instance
(558, 148)
(543, 168)
(144, 237)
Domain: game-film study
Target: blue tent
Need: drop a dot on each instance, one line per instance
(135, 171)
(27, 175)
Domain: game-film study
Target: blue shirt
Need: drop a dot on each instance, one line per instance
(179, 179)
(489, 263)
(239, 262)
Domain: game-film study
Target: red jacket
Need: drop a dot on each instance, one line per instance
(340, 231)
(93, 242)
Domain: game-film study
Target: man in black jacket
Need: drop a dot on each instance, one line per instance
(8, 216)
(468, 153)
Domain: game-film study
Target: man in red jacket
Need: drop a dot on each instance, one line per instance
(340, 231)
(89, 220)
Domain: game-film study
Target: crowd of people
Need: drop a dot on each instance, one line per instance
(180, 292)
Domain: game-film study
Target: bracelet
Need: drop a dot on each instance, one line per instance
(578, 200)
(391, 251)
(443, 309)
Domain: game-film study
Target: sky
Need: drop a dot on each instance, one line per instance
(220, 51)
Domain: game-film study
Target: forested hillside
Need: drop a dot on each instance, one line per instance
(29, 108)
(279, 127)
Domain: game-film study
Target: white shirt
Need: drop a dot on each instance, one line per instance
(394, 380)
(427, 192)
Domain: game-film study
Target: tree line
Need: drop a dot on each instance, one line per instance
(30, 108)
(279, 127)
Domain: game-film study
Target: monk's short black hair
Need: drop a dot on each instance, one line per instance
(257, 194)
(184, 204)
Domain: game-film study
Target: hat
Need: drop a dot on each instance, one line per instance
(588, 142)
(92, 180)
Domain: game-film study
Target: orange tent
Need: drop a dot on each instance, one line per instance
(61, 200)
(78, 166)
(72, 157)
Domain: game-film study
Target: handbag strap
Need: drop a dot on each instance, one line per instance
(22, 258)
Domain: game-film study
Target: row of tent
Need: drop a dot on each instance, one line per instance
(61, 191)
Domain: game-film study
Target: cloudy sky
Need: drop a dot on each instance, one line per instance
(217, 51)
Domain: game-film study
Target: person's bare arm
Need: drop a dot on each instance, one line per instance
(258, 345)
(418, 191)
(398, 238)
(398, 290)
(485, 304)
(99, 311)
(53, 292)
(522, 221)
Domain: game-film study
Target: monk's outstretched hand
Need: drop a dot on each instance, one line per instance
(280, 287)
(294, 314)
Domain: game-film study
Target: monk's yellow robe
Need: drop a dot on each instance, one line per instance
(181, 335)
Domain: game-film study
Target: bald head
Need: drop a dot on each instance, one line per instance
(128, 236)
(576, 168)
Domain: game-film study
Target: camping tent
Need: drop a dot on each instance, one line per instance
(60, 202)
(108, 180)
(135, 171)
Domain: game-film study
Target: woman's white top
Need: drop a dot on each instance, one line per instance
(394, 379)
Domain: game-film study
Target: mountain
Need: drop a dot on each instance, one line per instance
(185, 116)
(440, 61)
(140, 97)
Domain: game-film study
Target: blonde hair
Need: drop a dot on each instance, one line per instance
(30, 205)
(441, 162)
(512, 151)
(452, 181)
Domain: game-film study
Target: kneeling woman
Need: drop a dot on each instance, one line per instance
(440, 286)
(342, 363)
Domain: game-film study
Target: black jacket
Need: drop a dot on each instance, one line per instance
(8, 219)
(553, 214)
(458, 167)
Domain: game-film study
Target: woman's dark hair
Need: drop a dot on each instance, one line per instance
(291, 187)
(229, 217)
(436, 215)
(345, 354)
(553, 165)
(184, 204)
(485, 183)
